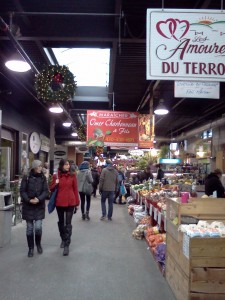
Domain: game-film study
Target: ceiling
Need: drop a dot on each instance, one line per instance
(119, 25)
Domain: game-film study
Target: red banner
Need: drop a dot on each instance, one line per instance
(112, 128)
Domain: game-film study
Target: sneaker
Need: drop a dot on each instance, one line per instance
(110, 219)
(102, 218)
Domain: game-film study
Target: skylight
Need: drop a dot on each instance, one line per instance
(89, 65)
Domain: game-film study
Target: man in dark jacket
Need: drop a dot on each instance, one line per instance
(213, 183)
(107, 188)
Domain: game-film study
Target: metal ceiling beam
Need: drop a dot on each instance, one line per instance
(77, 39)
(27, 13)
(5, 28)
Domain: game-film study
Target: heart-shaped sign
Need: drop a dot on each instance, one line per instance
(173, 28)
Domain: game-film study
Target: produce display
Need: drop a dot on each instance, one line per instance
(204, 229)
(138, 233)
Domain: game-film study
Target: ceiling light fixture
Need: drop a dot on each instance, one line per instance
(56, 108)
(17, 63)
(67, 123)
(74, 134)
(161, 109)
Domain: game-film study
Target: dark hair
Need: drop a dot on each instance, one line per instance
(218, 172)
(62, 162)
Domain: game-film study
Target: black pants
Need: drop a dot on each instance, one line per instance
(94, 189)
(84, 197)
(65, 214)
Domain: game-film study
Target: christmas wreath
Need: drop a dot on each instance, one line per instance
(55, 84)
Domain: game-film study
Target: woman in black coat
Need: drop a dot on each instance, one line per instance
(34, 191)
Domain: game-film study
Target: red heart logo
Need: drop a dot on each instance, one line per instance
(173, 28)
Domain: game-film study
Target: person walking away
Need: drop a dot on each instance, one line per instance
(121, 179)
(107, 188)
(160, 173)
(34, 191)
(84, 177)
(95, 176)
(67, 201)
(73, 167)
(213, 183)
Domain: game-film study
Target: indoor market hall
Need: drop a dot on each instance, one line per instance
(105, 262)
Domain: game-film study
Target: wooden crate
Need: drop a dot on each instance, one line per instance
(201, 273)
(175, 250)
(177, 279)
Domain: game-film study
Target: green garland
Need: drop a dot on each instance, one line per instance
(63, 80)
(81, 131)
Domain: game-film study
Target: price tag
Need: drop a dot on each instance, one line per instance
(159, 218)
(155, 213)
(150, 210)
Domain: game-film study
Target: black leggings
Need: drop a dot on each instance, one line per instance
(82, 200)
(65, 214)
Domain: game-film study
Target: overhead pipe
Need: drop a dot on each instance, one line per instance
(23, 13)
(19, 48)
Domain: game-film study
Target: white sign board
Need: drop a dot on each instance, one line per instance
(197, 89)
(185, 45)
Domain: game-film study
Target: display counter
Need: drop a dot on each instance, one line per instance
(195, 267)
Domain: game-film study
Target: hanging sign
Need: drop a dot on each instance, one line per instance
(185, 45)
(146, 131)
(113, 128)
(197, 89)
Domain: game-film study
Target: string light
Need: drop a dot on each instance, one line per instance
(58, 78)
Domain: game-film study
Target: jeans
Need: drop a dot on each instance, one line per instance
(110, 196)
(82, 200)
(34, 227)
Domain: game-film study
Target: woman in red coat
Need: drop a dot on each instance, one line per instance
(67, 201)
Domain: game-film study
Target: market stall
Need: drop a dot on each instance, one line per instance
(195, 255)
(194, 262)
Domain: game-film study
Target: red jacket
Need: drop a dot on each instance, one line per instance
(68, 194)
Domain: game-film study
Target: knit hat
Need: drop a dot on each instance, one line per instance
(84, 165)
(108, 162)
(36, 164)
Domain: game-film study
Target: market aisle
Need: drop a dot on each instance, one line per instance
(105, 263)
